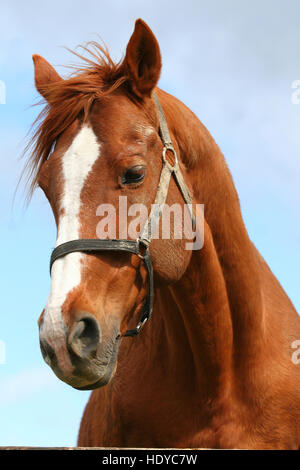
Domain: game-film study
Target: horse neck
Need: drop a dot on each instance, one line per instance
(191, 332)
(200, 299)
(219, 298)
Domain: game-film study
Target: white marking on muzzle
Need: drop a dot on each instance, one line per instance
(77, 163)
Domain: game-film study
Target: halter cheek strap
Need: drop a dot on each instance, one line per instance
(140, 247)
(168, 170)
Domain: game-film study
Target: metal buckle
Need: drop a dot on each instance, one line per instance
(140, 325)
(143, 245)
(136, 331)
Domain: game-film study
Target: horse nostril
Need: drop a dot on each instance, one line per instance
(84, 336)
(47, 352)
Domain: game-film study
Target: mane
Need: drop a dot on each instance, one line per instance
(69, 99)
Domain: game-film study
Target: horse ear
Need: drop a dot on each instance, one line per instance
(44, 74)
(143, 60)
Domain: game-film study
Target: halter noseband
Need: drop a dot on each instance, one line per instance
(140, 247)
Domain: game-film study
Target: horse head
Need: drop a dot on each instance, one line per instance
(99, 143)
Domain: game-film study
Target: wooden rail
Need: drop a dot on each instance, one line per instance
(94, 448)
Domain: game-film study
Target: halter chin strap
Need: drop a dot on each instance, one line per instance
(140, 247)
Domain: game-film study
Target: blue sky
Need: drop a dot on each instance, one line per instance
(233, 63)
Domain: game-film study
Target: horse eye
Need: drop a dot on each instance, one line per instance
(133, 175)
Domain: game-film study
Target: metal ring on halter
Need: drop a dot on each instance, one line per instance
(171, 148)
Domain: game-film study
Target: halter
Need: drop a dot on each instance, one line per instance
(140, 247)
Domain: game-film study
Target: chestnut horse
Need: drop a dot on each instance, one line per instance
(213, 367)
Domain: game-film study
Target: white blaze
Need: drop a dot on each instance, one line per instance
(77, 163)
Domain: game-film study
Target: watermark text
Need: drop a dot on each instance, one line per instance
(163, 221)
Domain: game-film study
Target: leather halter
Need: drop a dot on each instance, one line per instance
(140, 247)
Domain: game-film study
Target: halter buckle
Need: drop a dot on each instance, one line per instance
(143, 245)
(141, 324)
(136, 331)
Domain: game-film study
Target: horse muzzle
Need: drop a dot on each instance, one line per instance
(80, 355)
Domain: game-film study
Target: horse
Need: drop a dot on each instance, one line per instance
(213, 367)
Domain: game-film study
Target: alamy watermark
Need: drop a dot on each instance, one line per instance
(163, 221)
(2, 92)
(296, 354)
